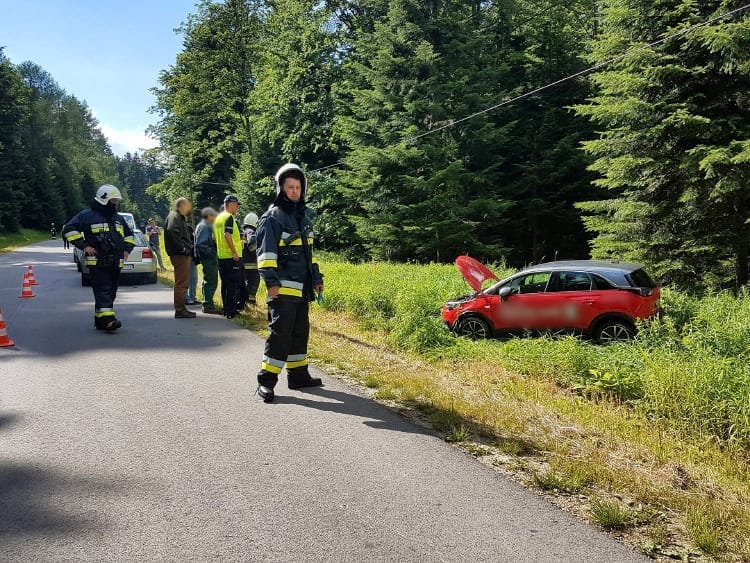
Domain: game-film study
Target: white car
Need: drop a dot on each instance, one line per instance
(140, 264)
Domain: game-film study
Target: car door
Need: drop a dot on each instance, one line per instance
(577, 297)
(527, 307)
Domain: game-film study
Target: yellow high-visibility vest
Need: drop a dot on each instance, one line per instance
(222, 247)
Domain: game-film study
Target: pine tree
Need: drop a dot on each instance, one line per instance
(13, 168)
(675, 146)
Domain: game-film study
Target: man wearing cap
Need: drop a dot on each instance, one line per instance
(288, 266)
(227, 234)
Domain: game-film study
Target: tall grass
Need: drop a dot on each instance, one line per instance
(690, 369)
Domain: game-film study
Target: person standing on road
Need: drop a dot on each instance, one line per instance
(152, 232)
(250, 277)
(190, 296)
(178, 241)
(290, 271)
(205, 251)
(106, 241)
(66, 242)
(228, 247)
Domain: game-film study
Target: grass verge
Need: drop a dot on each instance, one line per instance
(11, 241)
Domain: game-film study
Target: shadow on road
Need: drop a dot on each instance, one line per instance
(350, 404)
(7, 420)
(32, 500)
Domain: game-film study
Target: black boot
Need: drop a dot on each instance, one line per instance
(108, 324)
(265, 393)
(303, 379)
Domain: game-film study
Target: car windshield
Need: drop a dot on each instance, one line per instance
(140, 240)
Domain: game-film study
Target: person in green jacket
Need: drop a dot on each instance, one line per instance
(205, 252)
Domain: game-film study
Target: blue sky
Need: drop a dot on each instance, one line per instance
(105, 52)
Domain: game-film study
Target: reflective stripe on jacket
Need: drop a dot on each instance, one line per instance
(286, 256)
(109, 237)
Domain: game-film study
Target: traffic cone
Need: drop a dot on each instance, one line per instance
(26, 291)
(32, 280)
(4, 340)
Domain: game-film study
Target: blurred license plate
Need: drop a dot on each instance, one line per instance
(128, 266)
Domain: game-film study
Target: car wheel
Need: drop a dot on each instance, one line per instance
(613, 330)
(152, 278)
(85, 280)
(474, 328)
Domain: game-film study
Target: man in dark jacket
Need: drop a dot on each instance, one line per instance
(178, 241)
(290, 271)
(106, 241)
(205, 251)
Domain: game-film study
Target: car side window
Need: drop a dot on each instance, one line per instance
(573, 281)
(599, 283)
(531, 283)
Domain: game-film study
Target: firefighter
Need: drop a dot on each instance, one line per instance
(250, 276)
(228, 248)
(290, 271)
(106, 241)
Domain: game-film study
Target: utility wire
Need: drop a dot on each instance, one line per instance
(584, 72)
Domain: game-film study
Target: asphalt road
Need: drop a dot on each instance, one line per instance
(149, 445)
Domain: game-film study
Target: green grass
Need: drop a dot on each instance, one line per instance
(11, 241)
(610, 515)
(691, 369)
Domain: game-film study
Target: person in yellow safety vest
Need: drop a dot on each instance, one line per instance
(227, 234)
(250, 277)
(289, 268)
(106, 241)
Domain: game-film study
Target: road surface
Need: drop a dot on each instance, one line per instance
(149, 445)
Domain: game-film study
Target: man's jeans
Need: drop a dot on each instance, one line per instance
(157, 253)
(193, 283)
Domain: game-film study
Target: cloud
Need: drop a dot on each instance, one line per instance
(127, 140)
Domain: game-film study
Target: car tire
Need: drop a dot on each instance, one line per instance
(474, 328)
(609, 331)
(152, 278)
(85, 280)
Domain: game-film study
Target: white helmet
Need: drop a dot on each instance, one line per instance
(107, 192)
(251, 219)
(286, 169)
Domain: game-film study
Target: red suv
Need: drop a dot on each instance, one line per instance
(601, 299)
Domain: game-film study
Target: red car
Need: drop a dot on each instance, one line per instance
(600, 299)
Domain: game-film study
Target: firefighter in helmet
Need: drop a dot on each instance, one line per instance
(290, 271)
(106, 241)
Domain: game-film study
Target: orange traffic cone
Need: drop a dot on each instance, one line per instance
(4, 340)
(32, 280)
(26, 291)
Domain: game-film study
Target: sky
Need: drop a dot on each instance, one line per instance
(105, 52)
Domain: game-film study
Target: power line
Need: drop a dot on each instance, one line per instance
(584, 72)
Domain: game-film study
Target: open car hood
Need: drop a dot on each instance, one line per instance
(474, 272)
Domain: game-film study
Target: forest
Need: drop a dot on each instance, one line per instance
(53, 155)
(645, 159)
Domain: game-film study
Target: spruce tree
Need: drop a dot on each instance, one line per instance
(674, 151)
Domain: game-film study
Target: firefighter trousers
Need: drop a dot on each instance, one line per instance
(286, 345)
(104, 283)
(230, 273)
